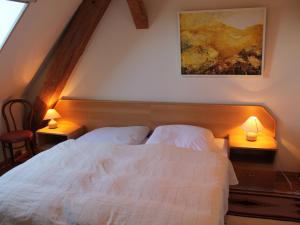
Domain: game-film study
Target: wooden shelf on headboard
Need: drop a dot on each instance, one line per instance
(221, 119)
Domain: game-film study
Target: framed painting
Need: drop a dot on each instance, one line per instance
(222, 42)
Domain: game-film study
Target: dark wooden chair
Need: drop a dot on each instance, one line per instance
(17, 137)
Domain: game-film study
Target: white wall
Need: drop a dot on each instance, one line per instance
(124, 63)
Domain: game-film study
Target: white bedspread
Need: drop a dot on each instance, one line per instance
(79, 184)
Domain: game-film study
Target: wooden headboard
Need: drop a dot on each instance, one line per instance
(221, 119)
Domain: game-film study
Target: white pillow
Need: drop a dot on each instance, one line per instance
(184, 136)
(133, 135)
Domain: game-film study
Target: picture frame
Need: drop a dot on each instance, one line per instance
(222, 42)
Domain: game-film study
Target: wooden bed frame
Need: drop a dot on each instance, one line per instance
(221, 119)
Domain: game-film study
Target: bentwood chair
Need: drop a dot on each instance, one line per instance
(17, 137)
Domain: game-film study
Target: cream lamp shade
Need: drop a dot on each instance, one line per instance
(252, 126)
(51, 115)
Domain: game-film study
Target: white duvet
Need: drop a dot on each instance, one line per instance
(76, 183)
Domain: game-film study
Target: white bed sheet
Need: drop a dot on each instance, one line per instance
(222, 145)
(76, 183)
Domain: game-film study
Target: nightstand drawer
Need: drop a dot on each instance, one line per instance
(46, 141)
(249, 155)
(255, 175)
(265, 204)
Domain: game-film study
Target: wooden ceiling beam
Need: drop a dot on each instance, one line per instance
(65, 55)
(139, 13)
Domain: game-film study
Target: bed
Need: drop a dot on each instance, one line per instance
(81, 182)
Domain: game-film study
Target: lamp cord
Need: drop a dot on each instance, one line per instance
(286, 177)
(287, 180)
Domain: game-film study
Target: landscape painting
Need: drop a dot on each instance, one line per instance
(222, 42)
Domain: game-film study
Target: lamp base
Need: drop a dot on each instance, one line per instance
(251, 136)
(52, 124)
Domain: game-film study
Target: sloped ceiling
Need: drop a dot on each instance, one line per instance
(33, 37)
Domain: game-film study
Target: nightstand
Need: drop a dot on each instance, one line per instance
(47, 138)
(253, 161)
(256, 195)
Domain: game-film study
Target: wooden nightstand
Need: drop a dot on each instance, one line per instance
(46, 138)
(253, 161)
(256, 195)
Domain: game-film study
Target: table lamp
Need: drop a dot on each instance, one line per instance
(252, 126)
(51, 115)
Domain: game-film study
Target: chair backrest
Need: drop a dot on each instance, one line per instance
(10, 114)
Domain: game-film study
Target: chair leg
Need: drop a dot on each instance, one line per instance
(26, 145)
(11, 150)
(29, 147)
(32, 145)
(4, 152)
